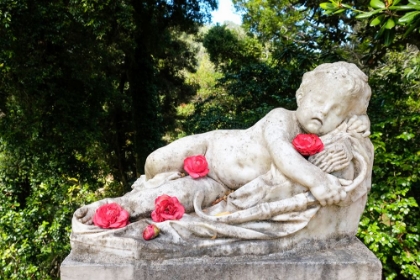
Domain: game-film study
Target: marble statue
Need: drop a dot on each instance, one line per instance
(256, 186)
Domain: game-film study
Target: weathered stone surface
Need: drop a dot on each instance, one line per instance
(351, 261)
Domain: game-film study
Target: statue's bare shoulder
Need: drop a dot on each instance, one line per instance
(278, 124)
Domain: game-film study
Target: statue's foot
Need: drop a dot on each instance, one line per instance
(85, 214)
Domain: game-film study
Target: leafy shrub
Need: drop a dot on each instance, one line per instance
(35, 238)
(390, 226)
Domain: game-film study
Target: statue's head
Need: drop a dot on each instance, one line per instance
(329, 94)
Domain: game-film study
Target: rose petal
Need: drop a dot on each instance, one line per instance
(161, 198)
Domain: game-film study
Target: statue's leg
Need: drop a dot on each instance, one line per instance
(140, 203)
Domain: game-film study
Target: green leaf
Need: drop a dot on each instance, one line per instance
(339, 11)
(408, 17)
(414, 2)
(379, 34)
(327, 6)
(367, 14)
(415, 7)
(390, 23)
(411, 27)
(405, 136)
(405, 7)
(378, 4)
(393, 3)
(389, 37)
(346, 6)
(377, 20)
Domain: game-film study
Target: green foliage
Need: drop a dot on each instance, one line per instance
(276, 21)
(87, 89)
(230, 49)
(83, 75)
(255, 79)
(390, 226)
(396, 20)
(33, 239)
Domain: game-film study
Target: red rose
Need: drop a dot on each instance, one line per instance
(308, 144)
(196, 166)
(111, 215)
(167, 208)
(150, 232)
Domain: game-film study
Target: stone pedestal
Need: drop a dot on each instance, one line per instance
(352, 261)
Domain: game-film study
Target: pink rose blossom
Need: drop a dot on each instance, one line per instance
(196, 166)
(308, 144)
(167, 208)
(111, 215)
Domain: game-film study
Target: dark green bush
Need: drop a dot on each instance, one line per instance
(390, 226)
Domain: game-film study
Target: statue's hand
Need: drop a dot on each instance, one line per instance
(329, 192)
(359, 126)
(85, 214)
(335, 157)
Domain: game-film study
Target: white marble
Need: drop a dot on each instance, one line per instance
(273, 192)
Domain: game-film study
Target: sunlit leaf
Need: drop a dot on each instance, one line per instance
(414, 2)
(389, 23)
(377, 20)
(367, 14)
(339, 11)
(411, 27)
(408, 17)
(378, 4)
(327, 6)
(395, 2)
(405, 7)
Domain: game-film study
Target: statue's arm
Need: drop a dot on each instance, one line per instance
(278, 130)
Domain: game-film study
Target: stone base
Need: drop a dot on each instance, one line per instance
(353, 261)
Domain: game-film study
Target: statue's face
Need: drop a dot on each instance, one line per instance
(323, 107)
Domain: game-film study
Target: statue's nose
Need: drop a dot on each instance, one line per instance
(325, 109)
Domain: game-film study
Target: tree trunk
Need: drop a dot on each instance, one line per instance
(145, 106)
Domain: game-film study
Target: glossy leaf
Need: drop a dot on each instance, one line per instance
(327, 6)
(339, 11)
(390, 23)
(367, 14)
(395, 2)
(376, 21)
(405, 7)
(378, 4)
(408, 17)
(414, 2)
(412, 27)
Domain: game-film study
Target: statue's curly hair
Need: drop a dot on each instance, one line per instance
(357, 80)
